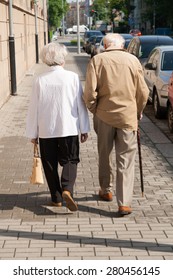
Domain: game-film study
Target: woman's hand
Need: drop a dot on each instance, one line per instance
(34, 141)
(83, 137)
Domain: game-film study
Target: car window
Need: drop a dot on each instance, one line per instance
(133, 47)
(146, 48)
(167, 61)
(98, 39)
(154, 57)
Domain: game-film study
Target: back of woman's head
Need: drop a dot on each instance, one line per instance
(53, 54)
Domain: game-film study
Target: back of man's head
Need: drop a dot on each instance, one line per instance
(114, 40)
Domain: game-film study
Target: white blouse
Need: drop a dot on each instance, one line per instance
(56, 106)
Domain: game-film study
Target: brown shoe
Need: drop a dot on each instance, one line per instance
(70, 204)
(125, 210)
(55, 204)
(105, 196)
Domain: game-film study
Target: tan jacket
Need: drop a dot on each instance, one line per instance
(115, 89)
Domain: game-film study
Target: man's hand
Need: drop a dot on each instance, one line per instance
(140, 117)
(83, 137)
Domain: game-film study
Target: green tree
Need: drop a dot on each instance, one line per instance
(163, 12)
(56, 9)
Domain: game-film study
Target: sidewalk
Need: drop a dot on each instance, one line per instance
(30, 230)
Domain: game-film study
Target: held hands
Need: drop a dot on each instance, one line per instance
(83, 137)
(34, 141)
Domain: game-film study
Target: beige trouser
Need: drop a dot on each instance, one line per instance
(125, 147)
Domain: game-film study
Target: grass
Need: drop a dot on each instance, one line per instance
(74, 42)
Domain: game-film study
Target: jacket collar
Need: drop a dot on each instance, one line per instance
(56, 67)
(115, 49)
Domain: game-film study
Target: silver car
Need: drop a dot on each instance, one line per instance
(157, 71)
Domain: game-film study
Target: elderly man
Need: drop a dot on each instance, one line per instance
(116, 93)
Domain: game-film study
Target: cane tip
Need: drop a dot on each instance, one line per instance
(142, 194)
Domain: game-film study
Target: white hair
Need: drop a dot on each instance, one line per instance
(54, 54)
(114, 40)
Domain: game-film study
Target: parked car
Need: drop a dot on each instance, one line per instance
(69, 30)
(88, 34)
(141, 46)
(170, 104)
(89, 42)
(100, 47)
(82, 29)
(95, 43)
(135, 32)
(127, 37)
(157, 71)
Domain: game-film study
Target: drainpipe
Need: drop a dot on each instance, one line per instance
(12, 52)
(44, 15)
(36, 31)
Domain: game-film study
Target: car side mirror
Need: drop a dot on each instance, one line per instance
(150, 66)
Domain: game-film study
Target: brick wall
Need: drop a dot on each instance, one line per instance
(23, 18)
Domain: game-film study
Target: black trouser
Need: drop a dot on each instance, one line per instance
(63, 151)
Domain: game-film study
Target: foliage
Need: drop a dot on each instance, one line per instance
(56, 9)
(113, 11)
(163, 12)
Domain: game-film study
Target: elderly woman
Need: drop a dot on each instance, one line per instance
(56, 117)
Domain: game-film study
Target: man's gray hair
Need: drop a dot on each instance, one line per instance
(114, 40)
(53, 54)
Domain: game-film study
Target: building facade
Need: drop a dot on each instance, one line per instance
(71, 16)
(24, 19)
(136, 18)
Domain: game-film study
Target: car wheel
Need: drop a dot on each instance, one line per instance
(170, 118)
(156, 106)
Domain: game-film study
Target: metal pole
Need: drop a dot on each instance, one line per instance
(36, 32)
(63, 18)
(154, 17)
(44, 15)
(12, 52)
(78, 31)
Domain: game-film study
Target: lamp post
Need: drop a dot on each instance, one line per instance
(63, 17)
(36, 31)
(78, 31)
(12, 52)
(154, 17)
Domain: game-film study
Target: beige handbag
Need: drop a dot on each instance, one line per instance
(37, 174)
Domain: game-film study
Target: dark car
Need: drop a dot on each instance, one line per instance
(89, 42)
(127, 37)
(88, 34)
(95, 44)
(141, 46)
(99, 47)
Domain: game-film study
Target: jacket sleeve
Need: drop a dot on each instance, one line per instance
(32, 114)
(142, 91)
(90, 91)
(82, 110)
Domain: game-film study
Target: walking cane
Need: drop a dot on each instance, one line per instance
(140, 161)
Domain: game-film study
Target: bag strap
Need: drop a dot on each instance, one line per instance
(36, 151)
